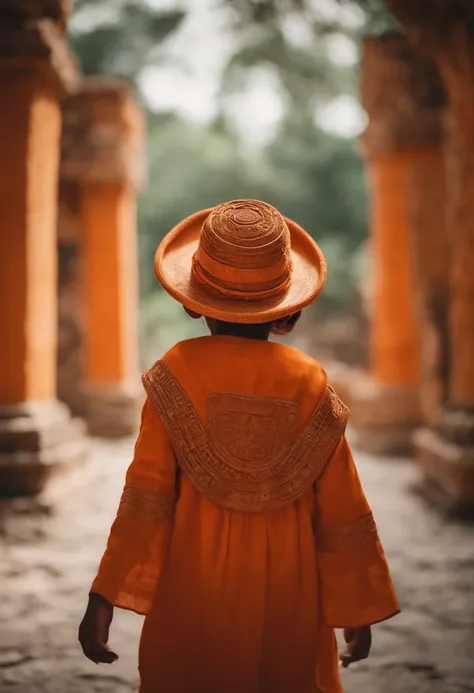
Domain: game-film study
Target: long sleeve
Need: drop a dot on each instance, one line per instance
(356, 588)
(138, 541)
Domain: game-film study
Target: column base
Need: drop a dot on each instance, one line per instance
(383, 417)
(37, 441)
(446, 458)
(114, 411)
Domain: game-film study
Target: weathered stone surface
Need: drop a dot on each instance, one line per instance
(57, 10)
(33, 436)
(448, 469)
(48, 563)
(383, 417)
(378, 404)
(402, 94)
(41, 45)
(103, 134)
(114, 411)
(387, 440)
(70, 327)
(457, 425)
(69, 212)
(37, 443)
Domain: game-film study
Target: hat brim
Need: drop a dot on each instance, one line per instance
(173, 269)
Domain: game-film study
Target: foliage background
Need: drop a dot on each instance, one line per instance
(311, 174)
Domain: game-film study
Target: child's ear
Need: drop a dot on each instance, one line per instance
(192, 314)
(285, 325)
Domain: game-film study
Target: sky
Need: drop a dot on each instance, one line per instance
(188, 78)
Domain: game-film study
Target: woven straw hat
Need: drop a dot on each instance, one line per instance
(240, 262)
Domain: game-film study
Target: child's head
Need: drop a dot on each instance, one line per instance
(241, 263)
(261, 330)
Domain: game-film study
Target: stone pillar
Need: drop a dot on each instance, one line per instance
(429, 240)
(70, 299)
(103, 153)
(37, 435)
(447, 454)
(400, 93)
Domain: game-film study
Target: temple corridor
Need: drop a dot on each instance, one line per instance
(47, 567)
(80, 150)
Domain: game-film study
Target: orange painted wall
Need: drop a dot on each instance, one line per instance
(394, 338)
(111, 282)
(30, 129)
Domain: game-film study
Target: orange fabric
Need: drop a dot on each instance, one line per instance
(355, 580)
(130, 568)
(241, 601)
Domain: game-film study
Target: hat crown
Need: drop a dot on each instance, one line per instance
(247, 234)
(244, 251)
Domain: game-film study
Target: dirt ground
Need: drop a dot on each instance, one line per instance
(47, 565)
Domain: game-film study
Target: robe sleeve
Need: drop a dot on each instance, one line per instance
(130, 568)
(356, 588)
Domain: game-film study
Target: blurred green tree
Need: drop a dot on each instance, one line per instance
(378, 18)
(300, 56)
(323, 18)
(291, 37)
(120, 37)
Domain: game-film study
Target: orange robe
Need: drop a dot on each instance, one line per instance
(243, 532)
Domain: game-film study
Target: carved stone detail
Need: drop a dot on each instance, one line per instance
(103, 135)
(113, 411)
(37, 441)
(40, 44)
(402, 94)
(448, 470)
(383, 417)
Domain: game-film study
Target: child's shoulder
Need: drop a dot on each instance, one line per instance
(295, 357)
(306, 373)
(187, 350)
(268, 369)
(278, 361)
(284, 355)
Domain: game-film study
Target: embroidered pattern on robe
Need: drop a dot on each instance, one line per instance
(231, 482)
(145, 504)
(250, 432)
(346, 537)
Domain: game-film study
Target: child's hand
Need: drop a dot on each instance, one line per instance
(359, 642)
(94, 631)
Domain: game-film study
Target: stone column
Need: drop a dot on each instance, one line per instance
(37, 435)
(447, 454)
(70, 299)
(401, 94)
(429, 245)
(103, 152)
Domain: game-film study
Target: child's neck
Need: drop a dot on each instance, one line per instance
(245, 331)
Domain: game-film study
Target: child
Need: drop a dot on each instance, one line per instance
(243, 532)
